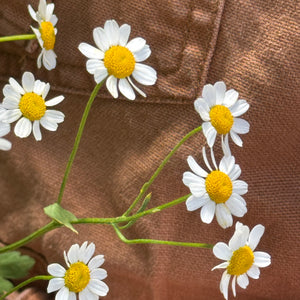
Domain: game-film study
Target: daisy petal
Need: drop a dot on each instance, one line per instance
(239, 108)
(32, 12)
(223, 216)
(53, 20)
(10, 92)
(144, 74)
(253, 272)
(23, 128)
(56, 270)
(197, 190)
(236, 207)
(48, 124)
(10, 103)
(189, 177)
(196, 168)
(90, 51)
(240, 126)
(262, 259)
(202, 108)
(223, 265)
(222, 251)
(100, 75)
(49, 60)
(124, 34)
(111, 84)
(240, 237)
(99, 274)
(96, 262)
(231, 97)
(240, 187)
(54, 101)
(4, 129)
(62, 294)
(236, 139)
(87, 295)
(143, 54)
(54, 116)
(193, 203)
(100, 38)
(220, 88)
(136, 44)
(10, 116)
(73, 253)
(255, 236)
(88, 253)
(36, 130)
(28, 82)
(49, 11)
(136, 88)
(16, 86)
(224, 284)
(98, 287)
(72, 296)
(126, 89)
(227, 164)
(208, 212)
(243, 281)
(209, 95)
(55, 284)
(210, 133)
(39, 87)
(235, 172)
(233, 285)
(111, 29)
(5, 145)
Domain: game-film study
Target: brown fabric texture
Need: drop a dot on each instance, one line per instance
(252, 45)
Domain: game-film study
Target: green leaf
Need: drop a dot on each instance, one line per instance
(5, 285)
(14, 265)
(61, 215)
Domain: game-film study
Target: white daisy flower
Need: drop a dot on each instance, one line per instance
(46, 33)
(217, 191)
(5, 145)
(219, 110)
(27, 103)
(118, 59)
(83, 275)
(240, 259)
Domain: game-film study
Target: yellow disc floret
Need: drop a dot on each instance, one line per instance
(77, 277)
(221, 118)
(241, 261)
(47, 35)
(32, 106)
(218, 186)
(119, 61)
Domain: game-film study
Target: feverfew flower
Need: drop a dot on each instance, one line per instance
(219, 110)
(27, 103)
(83, 275)
(118, 59)
(5, 145)
(218, 191)
(240, 259)
(46, 33)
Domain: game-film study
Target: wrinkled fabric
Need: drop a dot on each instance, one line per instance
(251, 46)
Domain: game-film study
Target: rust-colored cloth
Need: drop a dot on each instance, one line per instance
(249, 44)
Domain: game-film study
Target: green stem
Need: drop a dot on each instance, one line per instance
(50, 226)
(158, 170)
(160, 242)
(18, 37)
(77, 140)
(53, 225)
(26, 282)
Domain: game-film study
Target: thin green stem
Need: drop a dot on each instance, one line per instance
(18, 37)
(26, 282)
(160, 242)
(77, 140)
(158, 170)
(50, 226)
(122, 219)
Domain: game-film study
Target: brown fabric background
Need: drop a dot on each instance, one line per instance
(253, 45)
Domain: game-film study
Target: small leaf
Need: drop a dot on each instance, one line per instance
(145, 203)
(5, 285)
(61, 215)
(14, 265)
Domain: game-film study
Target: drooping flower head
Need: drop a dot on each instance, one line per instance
(240, 258)
(5, 145)
(27, 103)
(46, 33)
(83, 275)
(118, 60)
(217, 191)
(219, 110)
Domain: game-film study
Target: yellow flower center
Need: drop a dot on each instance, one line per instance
(218, 186)
(241, 261)
(221, 118)
(77, 277)
(119, 61)
(47, 35)
(32, 106)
